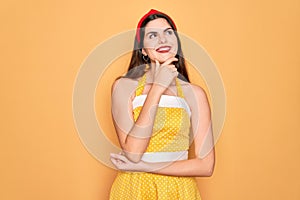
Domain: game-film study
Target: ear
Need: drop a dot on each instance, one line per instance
(144, 52)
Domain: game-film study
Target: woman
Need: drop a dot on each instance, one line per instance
(156, 116)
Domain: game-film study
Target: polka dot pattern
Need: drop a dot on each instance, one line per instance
(170, 133)
(147, 186)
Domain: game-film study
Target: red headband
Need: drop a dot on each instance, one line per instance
(151, 12)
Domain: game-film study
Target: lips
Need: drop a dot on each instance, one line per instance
(163, 49)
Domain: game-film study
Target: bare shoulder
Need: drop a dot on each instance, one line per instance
(124, 83)
(192, 88)
(194, 95)
(201, 99)
(124, 87)
(125, 80)
(199, 91)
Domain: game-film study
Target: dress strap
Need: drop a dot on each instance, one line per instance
(179, 89)
(141, 85)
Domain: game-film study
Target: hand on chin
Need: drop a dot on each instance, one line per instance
(162, 59)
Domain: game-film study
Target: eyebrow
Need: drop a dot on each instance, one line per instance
(156, 32)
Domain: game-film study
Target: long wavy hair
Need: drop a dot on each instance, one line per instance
(137, 66)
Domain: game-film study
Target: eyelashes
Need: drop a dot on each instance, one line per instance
(152, 35)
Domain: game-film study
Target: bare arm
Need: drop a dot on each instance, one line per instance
(202, 164)
(134, 136)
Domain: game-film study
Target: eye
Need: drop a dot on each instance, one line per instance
(170, 32)
(152, 35)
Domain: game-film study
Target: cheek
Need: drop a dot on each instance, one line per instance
(149, 44)
(175, 42)
(152, 54)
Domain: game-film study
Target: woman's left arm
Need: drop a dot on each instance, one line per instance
(203, 163)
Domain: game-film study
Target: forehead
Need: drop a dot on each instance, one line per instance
(159, 23)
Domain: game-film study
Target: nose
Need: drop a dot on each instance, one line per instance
(162, 39)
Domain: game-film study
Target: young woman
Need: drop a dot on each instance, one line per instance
(157, 113)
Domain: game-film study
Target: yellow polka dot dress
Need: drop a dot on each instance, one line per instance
(170, 134)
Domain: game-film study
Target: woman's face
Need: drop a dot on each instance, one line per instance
(160, 41)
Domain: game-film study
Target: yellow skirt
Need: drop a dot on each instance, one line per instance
(148, 186)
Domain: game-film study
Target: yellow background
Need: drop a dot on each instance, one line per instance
(255, 45)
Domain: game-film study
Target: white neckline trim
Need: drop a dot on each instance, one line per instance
(165, 101)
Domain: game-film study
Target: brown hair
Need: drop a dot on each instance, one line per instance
(137, 66)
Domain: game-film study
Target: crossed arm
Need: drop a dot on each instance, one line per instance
(201, 165)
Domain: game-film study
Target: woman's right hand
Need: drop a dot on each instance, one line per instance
(165, 73)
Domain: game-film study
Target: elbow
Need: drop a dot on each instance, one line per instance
(206, 169)
(210, 170)
(133, 153)
(205, 172)
(208, 164)
(134, 157)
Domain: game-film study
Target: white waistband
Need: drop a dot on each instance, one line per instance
(164, 156)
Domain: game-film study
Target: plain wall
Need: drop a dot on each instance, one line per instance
(255, 45)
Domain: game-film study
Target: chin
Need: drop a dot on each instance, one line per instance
(162, 59)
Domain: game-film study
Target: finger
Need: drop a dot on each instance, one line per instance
(120, 157)
(171, 67)
(169, 61)
(114, 162)
(156, 65)
(118, 165)
(174, 70)
(114, 156)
